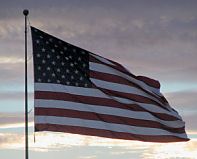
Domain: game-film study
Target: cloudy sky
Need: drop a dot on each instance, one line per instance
(155, 38)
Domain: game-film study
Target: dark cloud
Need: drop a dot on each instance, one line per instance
(13, 118)
(185, 103)
(155, 38)
(152, 38)
(11, 72)
(191, 122)
(185, 100)
(14, 95)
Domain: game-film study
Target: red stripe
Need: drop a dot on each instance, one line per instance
(98, 101)
(149, 81)
(120, 80)
(103, 117)
(117, 66)
(130, 96)
(106, 133)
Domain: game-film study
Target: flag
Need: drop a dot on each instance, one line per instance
(79, 92)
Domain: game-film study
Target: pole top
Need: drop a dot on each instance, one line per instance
(25, 12)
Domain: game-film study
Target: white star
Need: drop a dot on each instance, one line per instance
(53, 62)
(58, 70)
(43, 49)
(58, 57)
(76, 71)
(71, 64)
(39, 80)
(68, 83)
(72, 77)
(49, 80)
(39, 68)
(59, 42)
(41, 37)
(67, 70)
(43, 61)
(58, 81)
(61, 52)
(63, 76)
(62, 63)
(50, 39)
(38, 55)
(79, 59)
(52, 50)
(56, 46)
(53, 74)
(44, 74)
(77, 84)
(65, 48)
(47, 42)
(37, 41)
(86, 85)
(48, 56)
(81, 78)
(83, 52)
(48, 68)
(74, 50)
(84, 65)
(70, 57)
(67, 58)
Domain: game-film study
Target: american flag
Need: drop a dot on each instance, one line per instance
(79, 92)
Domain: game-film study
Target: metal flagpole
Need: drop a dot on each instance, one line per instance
(26, 12)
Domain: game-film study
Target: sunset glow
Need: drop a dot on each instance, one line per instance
(152, 38)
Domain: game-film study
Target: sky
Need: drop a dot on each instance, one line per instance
(154, 38)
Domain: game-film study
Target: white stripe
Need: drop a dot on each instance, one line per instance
(50, 87)
(105, 110)
(91, 92)
(149, 107)
(106, 61)
(154, 91)
(109, 70)
(122, 88)
(102, 59)
(104, 126)
(102, 68)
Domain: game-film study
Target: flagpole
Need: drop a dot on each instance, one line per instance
(26, 12)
